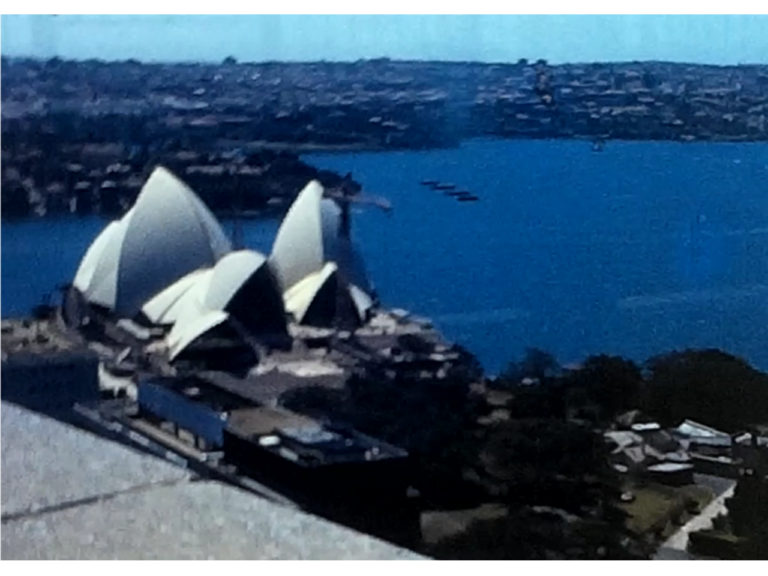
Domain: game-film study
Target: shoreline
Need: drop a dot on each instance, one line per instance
(265, 196)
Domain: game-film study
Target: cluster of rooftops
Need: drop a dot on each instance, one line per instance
(167, 263)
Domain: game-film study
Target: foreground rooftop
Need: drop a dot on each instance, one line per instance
(67, 494)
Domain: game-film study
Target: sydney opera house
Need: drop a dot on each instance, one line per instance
(167, 263)
(165, 284)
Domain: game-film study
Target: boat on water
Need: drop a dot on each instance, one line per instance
(458, 193)
(444, 186)
(429, 182)
(469, 198)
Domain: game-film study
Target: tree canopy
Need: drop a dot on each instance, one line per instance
(547, 462)
(710, 386)
(561, 494)
(535, 364)
(609, 383)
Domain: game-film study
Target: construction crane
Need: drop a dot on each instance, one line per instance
(348, 192)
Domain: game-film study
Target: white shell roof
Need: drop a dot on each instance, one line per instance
(84, 274)
(229, 275)
(205, 289)
(199, 294)
(168, 234)
(300, 297)
(298, 250)
(97, 276)
(363, 302)
(164, 307)
(189, 328)
(169, 257)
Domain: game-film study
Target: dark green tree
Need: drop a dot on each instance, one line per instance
(536, 363)
(748, 507)
(610, 384)
(562, 495)
(549, 462)
(709, 386)
(746, 519)
(543, 401)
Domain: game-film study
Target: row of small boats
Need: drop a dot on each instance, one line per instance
(449, 189)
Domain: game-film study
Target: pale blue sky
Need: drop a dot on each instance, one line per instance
(707, 39)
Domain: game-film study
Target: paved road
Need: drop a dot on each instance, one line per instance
(674, 548)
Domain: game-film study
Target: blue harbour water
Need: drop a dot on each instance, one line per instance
(636, 250)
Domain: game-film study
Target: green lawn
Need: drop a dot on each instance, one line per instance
(657, 509)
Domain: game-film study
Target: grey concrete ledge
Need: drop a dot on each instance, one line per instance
(48, 464)
(189, 521)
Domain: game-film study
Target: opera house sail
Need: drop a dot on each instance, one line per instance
(319, 272)
(166, 235)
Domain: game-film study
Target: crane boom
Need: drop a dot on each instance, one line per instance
(369, 199)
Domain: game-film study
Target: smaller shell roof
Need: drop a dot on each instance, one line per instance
(164, 307)
(229, 275)
(207, 288)
(87, 268)
(300, 298)
(218, 289)
(190, 328)
(97, 276)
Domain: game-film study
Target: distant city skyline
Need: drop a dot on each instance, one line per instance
(587, 38)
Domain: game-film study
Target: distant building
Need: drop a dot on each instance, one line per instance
(702, 439)
(750, 449)
(646, 451)
(43, 372)
(710, 449)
